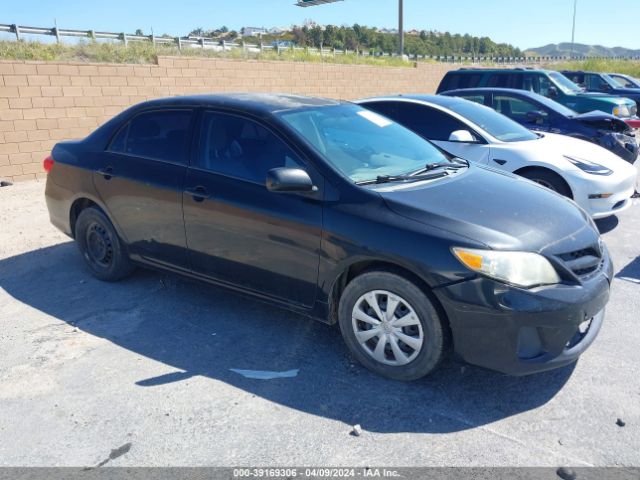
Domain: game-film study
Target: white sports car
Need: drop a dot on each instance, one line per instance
(596, 179)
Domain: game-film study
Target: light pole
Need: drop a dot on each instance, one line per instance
(400, 28)
(573, 30)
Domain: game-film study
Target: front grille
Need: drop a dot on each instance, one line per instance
(583, 263)
(634, 110)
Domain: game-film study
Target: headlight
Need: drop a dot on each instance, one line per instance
(621, 111)
(524, 269)
(589, 167)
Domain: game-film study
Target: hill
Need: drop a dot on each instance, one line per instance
(566, 49)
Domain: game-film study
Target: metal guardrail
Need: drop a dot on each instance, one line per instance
(222, 45)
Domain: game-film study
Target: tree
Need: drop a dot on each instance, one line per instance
(330, 36)
(316, 36)
(139, 32)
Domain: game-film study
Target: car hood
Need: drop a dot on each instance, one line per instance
(606, 96)
(555, 146)
(626, 91)
(498, 209)
(602, 121)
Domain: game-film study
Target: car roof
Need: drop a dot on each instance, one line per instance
(584, 71)
(511, 91)
(442, 101)
(498, 70)
(248, 102)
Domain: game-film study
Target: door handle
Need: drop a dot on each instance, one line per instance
(106, 172)
(199, 193)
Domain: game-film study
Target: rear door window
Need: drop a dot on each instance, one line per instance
(506, 80)
(429, 122)
(158, 134)
(474, 98)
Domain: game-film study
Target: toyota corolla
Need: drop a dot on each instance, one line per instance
(341, 214)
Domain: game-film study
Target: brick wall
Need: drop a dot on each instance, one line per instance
(42, 103)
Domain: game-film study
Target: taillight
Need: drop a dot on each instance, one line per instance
(47, 164)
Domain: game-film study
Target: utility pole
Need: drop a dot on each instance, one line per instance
(573, 30)
(400, 28)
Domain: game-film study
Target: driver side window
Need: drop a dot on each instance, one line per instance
(514, 108)
(595, 82)
(238, 147)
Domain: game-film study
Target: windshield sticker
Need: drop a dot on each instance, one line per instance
(374, 118)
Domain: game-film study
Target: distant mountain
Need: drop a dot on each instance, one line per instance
(566, 49)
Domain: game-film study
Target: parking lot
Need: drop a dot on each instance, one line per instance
(142, 373)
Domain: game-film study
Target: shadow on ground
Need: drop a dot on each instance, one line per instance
(203, 330)
(631, 271)
(605, 225)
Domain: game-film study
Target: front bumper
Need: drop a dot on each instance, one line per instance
(633, 122)
(621, 183)
(517, 331)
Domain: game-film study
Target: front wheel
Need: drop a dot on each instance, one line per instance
(548, 179)
(101, 248)
(390, 326)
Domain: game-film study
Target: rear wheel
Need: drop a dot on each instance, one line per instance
(390, 326)
(548, 179)
(101, 248)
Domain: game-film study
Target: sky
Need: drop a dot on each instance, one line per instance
(525, 24)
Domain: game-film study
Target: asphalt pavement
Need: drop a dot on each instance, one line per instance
(152, 371)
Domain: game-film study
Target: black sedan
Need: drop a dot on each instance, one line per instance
(539, 113)
(340, 214)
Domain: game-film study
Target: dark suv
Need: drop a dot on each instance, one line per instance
(548, 83)
(341, 214)
(602, 82)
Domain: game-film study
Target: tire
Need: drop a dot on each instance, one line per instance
(421, 324)
(101, 248)
(548, 179)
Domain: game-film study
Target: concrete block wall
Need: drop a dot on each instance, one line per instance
(42, 103)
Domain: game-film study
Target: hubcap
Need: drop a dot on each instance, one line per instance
(99, 246)
(387, 327)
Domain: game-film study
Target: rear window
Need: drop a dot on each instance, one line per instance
(454, 81)
(506, 80)
(159, 134)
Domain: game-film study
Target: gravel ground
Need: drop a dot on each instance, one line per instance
(138, 373)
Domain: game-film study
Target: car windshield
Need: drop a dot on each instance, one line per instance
(611, 81)
(625, 81)
(564, 84)
(492, 122)
(362, 144)
(555, 106)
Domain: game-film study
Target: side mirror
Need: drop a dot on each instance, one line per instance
(536, 116)
(462, 136)
(552, 92)
(605, 87)
(289, 180)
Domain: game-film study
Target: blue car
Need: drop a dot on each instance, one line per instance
(625, 81)
(539, 113)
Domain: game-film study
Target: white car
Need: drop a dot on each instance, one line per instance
(596, 179)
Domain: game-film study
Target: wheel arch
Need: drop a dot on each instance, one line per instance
(81, 203)
(537, 168)
(357, 268)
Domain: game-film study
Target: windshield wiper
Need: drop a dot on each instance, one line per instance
(406, 178)
(436, 165)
